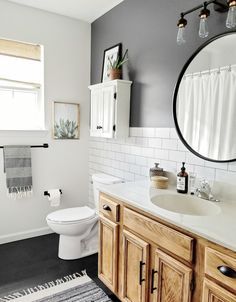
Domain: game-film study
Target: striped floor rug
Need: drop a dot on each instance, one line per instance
(72, 288)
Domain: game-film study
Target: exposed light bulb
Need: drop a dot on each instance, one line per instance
(181, 36)
(181, 30)
(231, 17)
(203, 27)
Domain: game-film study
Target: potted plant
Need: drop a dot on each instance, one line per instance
(116, 66)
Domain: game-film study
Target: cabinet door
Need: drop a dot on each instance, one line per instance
(108, 111)
(108, 253)
(135, 268)
(215, 293)
(172, 279)
(96, 113)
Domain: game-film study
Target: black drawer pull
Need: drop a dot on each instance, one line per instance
(99, 127)
(227, 271)
(152, 282)
(141, 264)
(106, 208)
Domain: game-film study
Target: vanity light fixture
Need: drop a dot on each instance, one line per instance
(203, 26)
(231, 17)
(181, 31)
(219, 6)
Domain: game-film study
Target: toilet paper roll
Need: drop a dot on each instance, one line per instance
(55, 197)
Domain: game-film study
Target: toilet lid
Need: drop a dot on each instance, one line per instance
(72, 214)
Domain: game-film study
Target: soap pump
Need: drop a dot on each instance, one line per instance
(182, 180)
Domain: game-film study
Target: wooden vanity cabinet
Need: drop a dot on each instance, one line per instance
(135, 268)
(215, 293)
(173, 279)
(143, 259)
(222, 286)
(108, 253)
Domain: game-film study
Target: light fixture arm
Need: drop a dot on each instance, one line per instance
(219, 6)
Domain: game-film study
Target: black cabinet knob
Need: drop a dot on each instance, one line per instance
(227, 271)
(99, 127)
(106, 207)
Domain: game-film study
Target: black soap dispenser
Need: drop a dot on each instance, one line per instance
(182, 180)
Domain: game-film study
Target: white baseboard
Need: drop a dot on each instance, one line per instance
(24, 235)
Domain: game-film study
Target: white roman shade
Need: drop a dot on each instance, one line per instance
(20, 62)
(20, 49)
(21, 86)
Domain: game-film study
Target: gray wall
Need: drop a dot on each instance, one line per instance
(148, 29)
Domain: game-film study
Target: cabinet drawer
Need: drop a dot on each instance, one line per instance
(163, 236)
(215, 293)
(109, 208)
(215, 259)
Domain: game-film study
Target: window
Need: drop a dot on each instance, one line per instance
(21, 86)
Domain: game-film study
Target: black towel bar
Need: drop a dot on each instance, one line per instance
(48, 194)
(34, 146)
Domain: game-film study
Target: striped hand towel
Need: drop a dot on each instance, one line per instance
(17, 166)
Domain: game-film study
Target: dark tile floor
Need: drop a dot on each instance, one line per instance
(34, 261)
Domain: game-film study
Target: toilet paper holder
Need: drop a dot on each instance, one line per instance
(46, 193)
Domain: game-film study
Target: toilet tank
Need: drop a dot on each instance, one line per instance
(102, 179)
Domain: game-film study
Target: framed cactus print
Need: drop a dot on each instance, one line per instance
(66, 120)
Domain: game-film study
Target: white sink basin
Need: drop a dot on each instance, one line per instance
(186, 204)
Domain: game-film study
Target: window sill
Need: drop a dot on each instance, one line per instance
(24, 133)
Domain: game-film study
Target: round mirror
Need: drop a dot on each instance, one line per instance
(204, 104)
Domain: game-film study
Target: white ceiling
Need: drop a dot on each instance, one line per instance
(86, 10)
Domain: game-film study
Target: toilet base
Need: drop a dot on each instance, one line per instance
(72, 247)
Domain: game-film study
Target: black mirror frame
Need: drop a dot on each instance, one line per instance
(176, 94)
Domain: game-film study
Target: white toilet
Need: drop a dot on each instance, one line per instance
(78, 227)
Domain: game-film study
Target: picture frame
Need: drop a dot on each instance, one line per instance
(112, 53)
(66, 120)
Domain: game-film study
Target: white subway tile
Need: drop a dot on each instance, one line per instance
(125, 148)
(139, 177)
(136, 131)
(130, 158)
(232, 166)
(173, 133)
(149, 132)
(181, 146)
(221, 166)
(169, 144)
(130, 140)
(141, 141)
(123, 166)
(155, 142)
(115, 164)
(161, 154)
(148, 152)
(203, 172)
(141, 160)
(193, 159)
(226, 176)
(162, 132)
(169, 166)
(120, 156)
(135, 150)
(144, 171)
(177, 156)
(129, 176)
(134, 169)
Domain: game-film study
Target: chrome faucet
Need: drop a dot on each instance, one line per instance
(204, 191)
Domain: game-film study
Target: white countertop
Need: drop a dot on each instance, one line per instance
(219, 228)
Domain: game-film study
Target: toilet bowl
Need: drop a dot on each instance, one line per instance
(78, 227)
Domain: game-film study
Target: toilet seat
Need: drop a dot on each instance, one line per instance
(72, 215)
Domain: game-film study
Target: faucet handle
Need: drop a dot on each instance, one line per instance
(205, 184)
